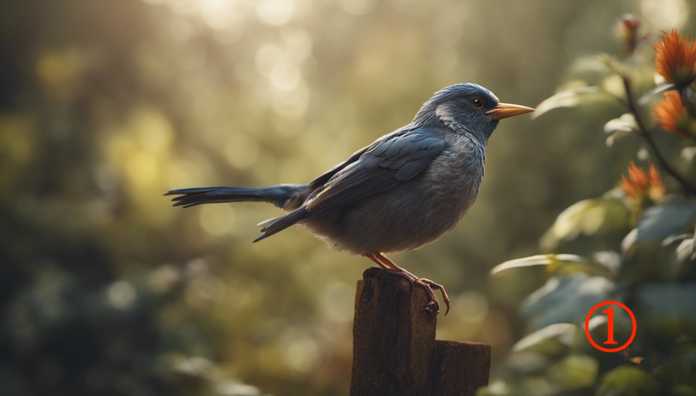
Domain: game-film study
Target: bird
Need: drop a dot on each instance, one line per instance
(402, 191)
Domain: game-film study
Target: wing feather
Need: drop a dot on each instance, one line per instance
(387, 163)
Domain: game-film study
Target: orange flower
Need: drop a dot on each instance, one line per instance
(657, 189)
(671, 115)
(636, 182)
(641, 184)
(675, 58)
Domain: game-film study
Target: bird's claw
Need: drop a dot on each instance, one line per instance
(434, 285)
(432, 307)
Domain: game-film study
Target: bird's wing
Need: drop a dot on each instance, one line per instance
(395, 159)
(319, 182)
(324, 177)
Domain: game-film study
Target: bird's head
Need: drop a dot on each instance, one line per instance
(467, 108)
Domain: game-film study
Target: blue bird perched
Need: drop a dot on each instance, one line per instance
(402, 191)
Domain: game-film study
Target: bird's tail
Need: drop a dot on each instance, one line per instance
(279, 195)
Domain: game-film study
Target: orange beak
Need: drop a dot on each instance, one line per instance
(505, 110)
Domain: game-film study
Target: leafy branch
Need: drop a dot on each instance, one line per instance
(645, 134)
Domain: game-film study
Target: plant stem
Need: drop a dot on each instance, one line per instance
(687, 102)
(644, 132)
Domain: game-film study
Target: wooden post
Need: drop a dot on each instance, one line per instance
(460, 368)
(394, 347)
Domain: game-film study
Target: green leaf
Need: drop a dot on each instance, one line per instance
(531, 363)
(685, 251)
(614, 65)
(668, 308)
(656, 92)
(597, 66)
(538, 260)
(660, 222)
(565, 299)
(496, 388)
(684, 390)
(619, 128)
(592, 64)
(573, 96)
(587, 217)
(574, 372)
(554, 264)
(628, 381)
(679, 369)
(608, 259)
(688, 153)
(613, 85)
(550, 340)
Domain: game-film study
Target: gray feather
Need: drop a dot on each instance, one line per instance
(384, 165)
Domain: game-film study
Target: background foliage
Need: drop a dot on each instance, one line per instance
(633, 244)
(104, 105)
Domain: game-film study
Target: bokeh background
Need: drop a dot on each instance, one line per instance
(104, 105)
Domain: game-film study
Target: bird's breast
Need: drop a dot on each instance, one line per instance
(455, 176)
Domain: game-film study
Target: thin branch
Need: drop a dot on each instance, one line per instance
(684, 96)
(644, 132)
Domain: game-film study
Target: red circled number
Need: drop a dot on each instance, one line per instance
(610, 314)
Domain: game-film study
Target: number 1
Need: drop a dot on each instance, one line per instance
(610, 327)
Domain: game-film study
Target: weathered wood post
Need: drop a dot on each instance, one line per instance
(394, 348)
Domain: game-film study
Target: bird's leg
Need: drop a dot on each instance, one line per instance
(427, 283)
(389, 266)
(384, 262)
(372, 257)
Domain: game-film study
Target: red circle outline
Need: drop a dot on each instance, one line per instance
(634, 326)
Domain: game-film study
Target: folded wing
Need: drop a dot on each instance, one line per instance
(382, 166)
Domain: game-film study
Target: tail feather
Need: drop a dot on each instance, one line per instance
(275, 225)
(277, 195)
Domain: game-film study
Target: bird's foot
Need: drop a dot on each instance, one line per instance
(438, 286)
(431, 306)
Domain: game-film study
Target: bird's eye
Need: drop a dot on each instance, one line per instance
(477, 102)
